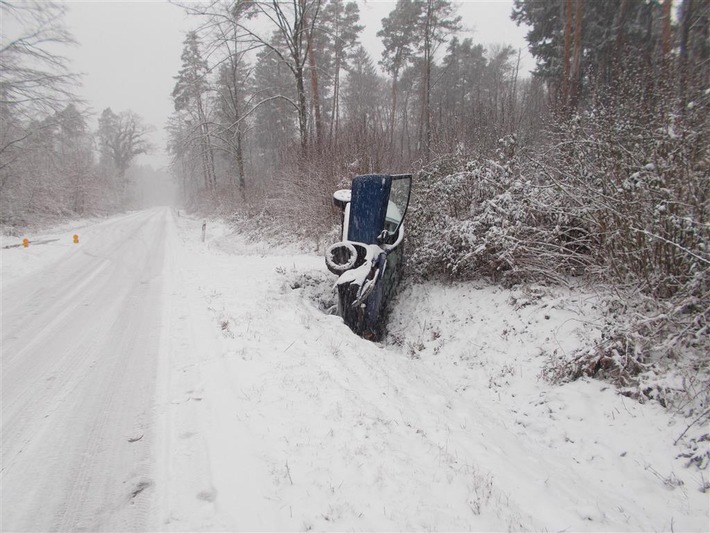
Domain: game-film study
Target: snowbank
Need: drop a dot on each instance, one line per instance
(281, 418)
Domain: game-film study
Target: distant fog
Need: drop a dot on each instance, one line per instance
(152, 187)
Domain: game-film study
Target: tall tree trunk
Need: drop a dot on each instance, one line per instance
(513, 96)
(621, 26)
(335, 108)
(666, 33)
(207, 154)
(240, 165)
(566, 51)
(238, 147)
(205, 163)
(428, 59)
(616, 62)
(302, 107)
(686, 17)
(314, 90)
(576, 74)
(426, 111)
(405, 141)
(210, 158)
(393, 115)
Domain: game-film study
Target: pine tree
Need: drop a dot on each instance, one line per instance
(413, 31)
(458, 92)
(398, 34)
(275, 128)
(438, 21)
(337, 34)
(189, 95)
(584, 47)
(365, 98)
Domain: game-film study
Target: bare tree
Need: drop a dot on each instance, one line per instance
(292, 22)
(189, 95)
(122, 137)
(225, 43)
(35, 82)
(34, 76)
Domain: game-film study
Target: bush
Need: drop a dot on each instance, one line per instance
(619, 196)
(476, 217)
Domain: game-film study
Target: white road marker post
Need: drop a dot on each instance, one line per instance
(204, 229)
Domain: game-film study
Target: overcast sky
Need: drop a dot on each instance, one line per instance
(129, 52)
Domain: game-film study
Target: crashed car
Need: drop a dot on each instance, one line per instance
(369, 258)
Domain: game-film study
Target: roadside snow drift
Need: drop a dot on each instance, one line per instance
(288, 421)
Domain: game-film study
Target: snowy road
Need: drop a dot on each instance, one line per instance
(79, 344)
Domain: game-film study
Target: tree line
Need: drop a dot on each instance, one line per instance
(284, 96)
(52, 164)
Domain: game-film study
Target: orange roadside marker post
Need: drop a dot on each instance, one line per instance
(25, 242)
(76, 239)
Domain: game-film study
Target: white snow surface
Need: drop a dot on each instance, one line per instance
(151, 381)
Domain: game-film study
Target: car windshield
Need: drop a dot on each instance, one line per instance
(397, 205)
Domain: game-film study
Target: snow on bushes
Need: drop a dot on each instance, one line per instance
(474, 218)
(625, 205)
(643, 188)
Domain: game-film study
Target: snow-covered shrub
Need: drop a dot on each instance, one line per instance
(293, 207)
(642, 186)
(477, 217)
(619, 194)
(641, 179)
(657, 350)
(315, 285)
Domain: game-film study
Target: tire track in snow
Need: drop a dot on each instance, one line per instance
(77, 431)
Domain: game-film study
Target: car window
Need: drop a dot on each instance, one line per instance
(397, 205)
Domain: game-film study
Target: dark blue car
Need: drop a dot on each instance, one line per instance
(369, 258)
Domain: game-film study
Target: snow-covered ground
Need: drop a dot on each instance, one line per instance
(269, 414)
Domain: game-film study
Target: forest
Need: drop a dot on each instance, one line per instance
(596, 167)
